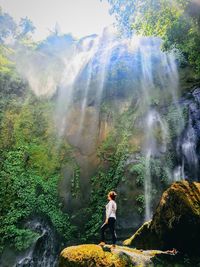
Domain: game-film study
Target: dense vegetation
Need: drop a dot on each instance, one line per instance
(176, 22)
(31, 154)
(31, 162)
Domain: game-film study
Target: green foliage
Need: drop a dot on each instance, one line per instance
(75, 182)
(24, 193)
(123, 10)
(26, 26)
(158, 169)
(107, 148)
(176, 22)
(23, 238)
(20, 33)
(138, 170)
(7, 26)
(6, 66)
(31, 164)
(176, 118)
(10, 29)
(140, 199)
(15, 191)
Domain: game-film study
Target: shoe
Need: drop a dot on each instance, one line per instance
(113, 246)
(102, 244)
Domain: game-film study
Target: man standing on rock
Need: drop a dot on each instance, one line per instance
(111, 209)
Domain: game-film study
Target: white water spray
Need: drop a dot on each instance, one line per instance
(87, 69)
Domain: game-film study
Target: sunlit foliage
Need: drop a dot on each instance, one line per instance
(176, 22)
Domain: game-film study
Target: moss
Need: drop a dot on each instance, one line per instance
(90, 255)
(144, 228)
(176, 221)
(181, 199)
(93, 255)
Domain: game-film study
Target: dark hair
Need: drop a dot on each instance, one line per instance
(112, 195)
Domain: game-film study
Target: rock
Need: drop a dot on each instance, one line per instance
(175, 223)
(88, 255)
(93, 255)
(140, 237)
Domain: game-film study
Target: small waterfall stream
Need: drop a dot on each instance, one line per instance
(190, 139)
(161, 80)
(44, 251)
(153, 122)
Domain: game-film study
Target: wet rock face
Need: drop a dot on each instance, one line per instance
(43, 252)
(176, 221)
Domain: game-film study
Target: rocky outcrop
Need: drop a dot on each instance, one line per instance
(93, 255)
(176, 221)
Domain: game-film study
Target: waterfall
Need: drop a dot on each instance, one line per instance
(88, 68)
(153, 121)
(137, 66)
(74, 64)
(44, 251)
(163, 80)
(190, 138)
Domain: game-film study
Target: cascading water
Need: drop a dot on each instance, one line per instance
(153, 121)
(103, 54)
(136, 66)
(88, 70)
(83, 81)
(44, 251)
(189, 141)
(74, 63)
(92, 63)
(155, 81)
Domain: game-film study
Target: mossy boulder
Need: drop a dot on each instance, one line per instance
(176, 221)
(93, 255)
(88, 255)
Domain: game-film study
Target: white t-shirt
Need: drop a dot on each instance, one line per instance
(111, 209)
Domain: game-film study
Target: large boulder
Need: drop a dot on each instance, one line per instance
(91, 255)
(88, 255)
(175, 223)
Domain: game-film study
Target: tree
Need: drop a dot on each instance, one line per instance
(177, 22)
(7, 26)
(26, 27)
(124, 11)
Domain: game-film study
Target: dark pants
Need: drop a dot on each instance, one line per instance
(111, 226)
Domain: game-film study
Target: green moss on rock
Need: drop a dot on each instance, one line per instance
(141, 235)
(176, 221)
(90, 255)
